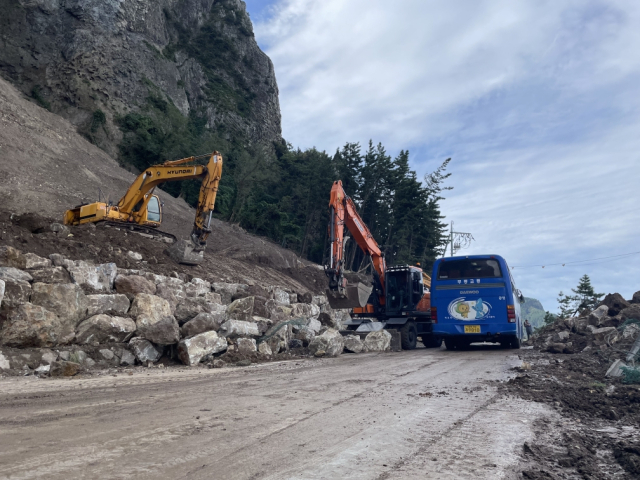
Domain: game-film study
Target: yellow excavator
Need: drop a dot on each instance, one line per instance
(140, 210)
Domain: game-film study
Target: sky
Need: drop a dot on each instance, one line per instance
(537, 102)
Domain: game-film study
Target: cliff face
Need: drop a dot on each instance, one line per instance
(94, 61)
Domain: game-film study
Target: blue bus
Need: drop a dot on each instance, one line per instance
(474, 299)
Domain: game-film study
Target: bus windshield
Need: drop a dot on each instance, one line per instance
(469, 268)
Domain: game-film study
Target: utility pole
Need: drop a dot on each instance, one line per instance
(458, 240)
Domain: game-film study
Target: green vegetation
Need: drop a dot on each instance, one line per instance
(98, 120)
(36, 94)
(533, 310)
(584, 298)
(282, 193)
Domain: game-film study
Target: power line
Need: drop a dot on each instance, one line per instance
(577, 261)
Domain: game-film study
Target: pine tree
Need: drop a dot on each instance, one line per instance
(549, 318)
(565, 303)
(585, 296)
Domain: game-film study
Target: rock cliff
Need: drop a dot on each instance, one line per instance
(95, 61)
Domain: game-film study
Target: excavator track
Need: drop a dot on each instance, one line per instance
(142, 229)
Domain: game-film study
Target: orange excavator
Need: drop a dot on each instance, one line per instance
(140, 210)
(399, 297)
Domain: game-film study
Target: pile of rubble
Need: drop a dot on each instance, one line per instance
(74, 314)
(613, 325)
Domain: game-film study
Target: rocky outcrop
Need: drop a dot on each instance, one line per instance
(95, 60)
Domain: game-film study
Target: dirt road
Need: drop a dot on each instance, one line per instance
(424, 413)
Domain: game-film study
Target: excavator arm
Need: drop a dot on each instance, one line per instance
(343, 213)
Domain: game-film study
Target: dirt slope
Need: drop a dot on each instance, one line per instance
(46, 168)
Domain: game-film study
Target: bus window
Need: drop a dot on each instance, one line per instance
(469, 268)
(153, 210)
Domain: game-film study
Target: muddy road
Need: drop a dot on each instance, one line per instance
(418, 414)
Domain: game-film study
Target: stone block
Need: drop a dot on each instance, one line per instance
(379, 341)
(34, 261)
(331, 342)
(192, 350)
(239, 328)
(246, 346)
(241, 309)
(144, 350)
(66, 300)
(131, 285)
(159, 330)
(203, 322)
(101, 303)
(104, 328)
(353, 344)
(50, 275)
(11, 257)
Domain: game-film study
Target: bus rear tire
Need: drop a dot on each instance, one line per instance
(408, 336)
(431, 341)
(515, 343)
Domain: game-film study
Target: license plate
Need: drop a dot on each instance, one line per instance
(472, 329)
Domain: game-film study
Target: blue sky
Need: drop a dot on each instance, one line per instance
(536, 101)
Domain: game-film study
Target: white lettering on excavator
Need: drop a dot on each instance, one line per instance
(355, 220)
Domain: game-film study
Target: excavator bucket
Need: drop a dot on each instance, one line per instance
(354, 296)
(186, 253)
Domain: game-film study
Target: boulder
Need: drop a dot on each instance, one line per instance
(160, 330)
(239, 328)
(636, 298)
(556, 348)
(51, 275)
(59, 229)
(1, 291)
(16, 292)
(305, 297)
(11, 257)
(150, 306)
(265, 349)
(631, 313)
(103, 328)
(64, 369)
(326, 319)
(228, 290)
(203, 322)
(93, 278)
(29, 325)
(314, 325)
(259, 306)
(560, 336)
(66, 300)
(144, 350)
(331, 342)
(127, 358)
(281, 297)
(11, 273)
(246, 346)
(353, 344)
(241, 309)
(197, 287)
(379, 341)
(4, 362)
(34, 261)
(101, 303)
(604, 335)
(319, 300)
(106, 354)
(305, 310)
(188, 308)
(172, 293)
(598, 316)
(58, 260)
(615, 303)
(135, 256)
(304, 335)
(131, 285)
(277, 312)
(192, 350)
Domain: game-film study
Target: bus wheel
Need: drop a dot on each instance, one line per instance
(431, 341)
(408, 336)
(515, 342)
(451, 343)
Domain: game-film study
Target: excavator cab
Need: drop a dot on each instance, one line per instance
(405, 289)
(154, 212)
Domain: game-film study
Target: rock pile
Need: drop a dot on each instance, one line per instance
(615, 321)
(68, 311)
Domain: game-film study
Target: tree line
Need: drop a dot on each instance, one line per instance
(282, 192)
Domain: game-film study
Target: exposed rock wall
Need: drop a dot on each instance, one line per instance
(82, 57)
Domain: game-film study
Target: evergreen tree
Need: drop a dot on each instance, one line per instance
(585, 296)
(549, 318)
(565, 302)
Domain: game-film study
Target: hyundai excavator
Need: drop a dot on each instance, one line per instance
(140, 210)
(399, 298)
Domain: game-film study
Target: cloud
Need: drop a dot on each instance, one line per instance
(536, 101)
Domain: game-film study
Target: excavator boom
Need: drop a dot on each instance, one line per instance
(343, 213)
